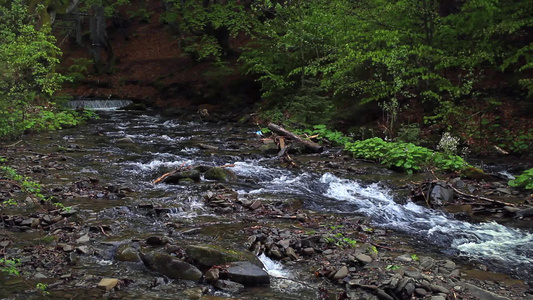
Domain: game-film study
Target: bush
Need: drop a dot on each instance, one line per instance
(407, 156)
(524, 181)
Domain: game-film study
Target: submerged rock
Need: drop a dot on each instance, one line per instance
(220, 174)
(170, 266)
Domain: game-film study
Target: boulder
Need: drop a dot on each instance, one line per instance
(220, 174)
(170, 266)
(441, 195)
(210, 255)
(248, 274)
(177, 177)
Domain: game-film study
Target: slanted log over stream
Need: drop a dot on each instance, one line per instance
(310, 145)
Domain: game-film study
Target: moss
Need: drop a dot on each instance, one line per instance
(475, 174)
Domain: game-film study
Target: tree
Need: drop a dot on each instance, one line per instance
(205, 27)
(28, 79)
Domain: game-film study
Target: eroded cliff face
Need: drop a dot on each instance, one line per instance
(149, 66)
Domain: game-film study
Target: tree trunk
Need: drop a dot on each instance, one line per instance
(311, 146)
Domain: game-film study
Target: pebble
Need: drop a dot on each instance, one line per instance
(341, 273)
(83, 239)
(364, 258)
(404, 258)
(421, 292)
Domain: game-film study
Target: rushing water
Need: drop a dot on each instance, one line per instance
(165, 144)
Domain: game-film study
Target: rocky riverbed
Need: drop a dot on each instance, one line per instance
(219, 233)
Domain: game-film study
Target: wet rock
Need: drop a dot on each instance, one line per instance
(247, 273)
(292, 254)
(176, 177)
(210, 255)
(83, 239)
(308, 251)
(269, 147)
(450, 265)
(427, 263)
(170, 266)
(229, 286)
(438, 298)
(174, 112)
(364, 258)
(194, 293)
(127, 253)
(439, 289)
(255, 205)
(341, 273)
(383, 295)
(441, 195)
(404, 258)
(413, 273)
(421, 292)
(156, 241)
(220, 174)
(107, 284)
(481, 293)
(212, 275)
(525, 213)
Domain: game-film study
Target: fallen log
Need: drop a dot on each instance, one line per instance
(311, 146)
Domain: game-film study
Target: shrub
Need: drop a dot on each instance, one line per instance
(525, 180)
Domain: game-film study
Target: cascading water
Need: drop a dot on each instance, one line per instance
(99, 104)
(162, 145)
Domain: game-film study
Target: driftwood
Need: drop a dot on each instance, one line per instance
(311, 146)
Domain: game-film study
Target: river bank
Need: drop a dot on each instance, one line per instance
(328, 223)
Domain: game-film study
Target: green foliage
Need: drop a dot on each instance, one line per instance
(323, 132)
(28, 80)
(27, 185)
(409, 133)
(338, 238)
(393, 267)
(414, 257)
(9, 266)
(204, 27)
(407, 156)
(79, 69)
(388, 51)
(525, 180)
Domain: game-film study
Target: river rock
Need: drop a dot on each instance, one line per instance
(210, 255)
(127, 253)
(212, 275)
(176, 177)
(364, 258)
(220, 174)
(441, 195)
(170, 266)
(229, 286)
(341, 273)
(83, 239)
(247, 273)
(107, 284)
(525, 213)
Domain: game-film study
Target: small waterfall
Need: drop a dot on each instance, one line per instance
(99, 104)
(273, 268)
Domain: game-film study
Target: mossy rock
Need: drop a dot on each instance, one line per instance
(220, 174)
(170, 266)
(209, 255)
(476, 174)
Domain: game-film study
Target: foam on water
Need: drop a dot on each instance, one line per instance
(273, 268)
(490, 242)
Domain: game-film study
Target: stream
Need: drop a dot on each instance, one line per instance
(163, 144)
